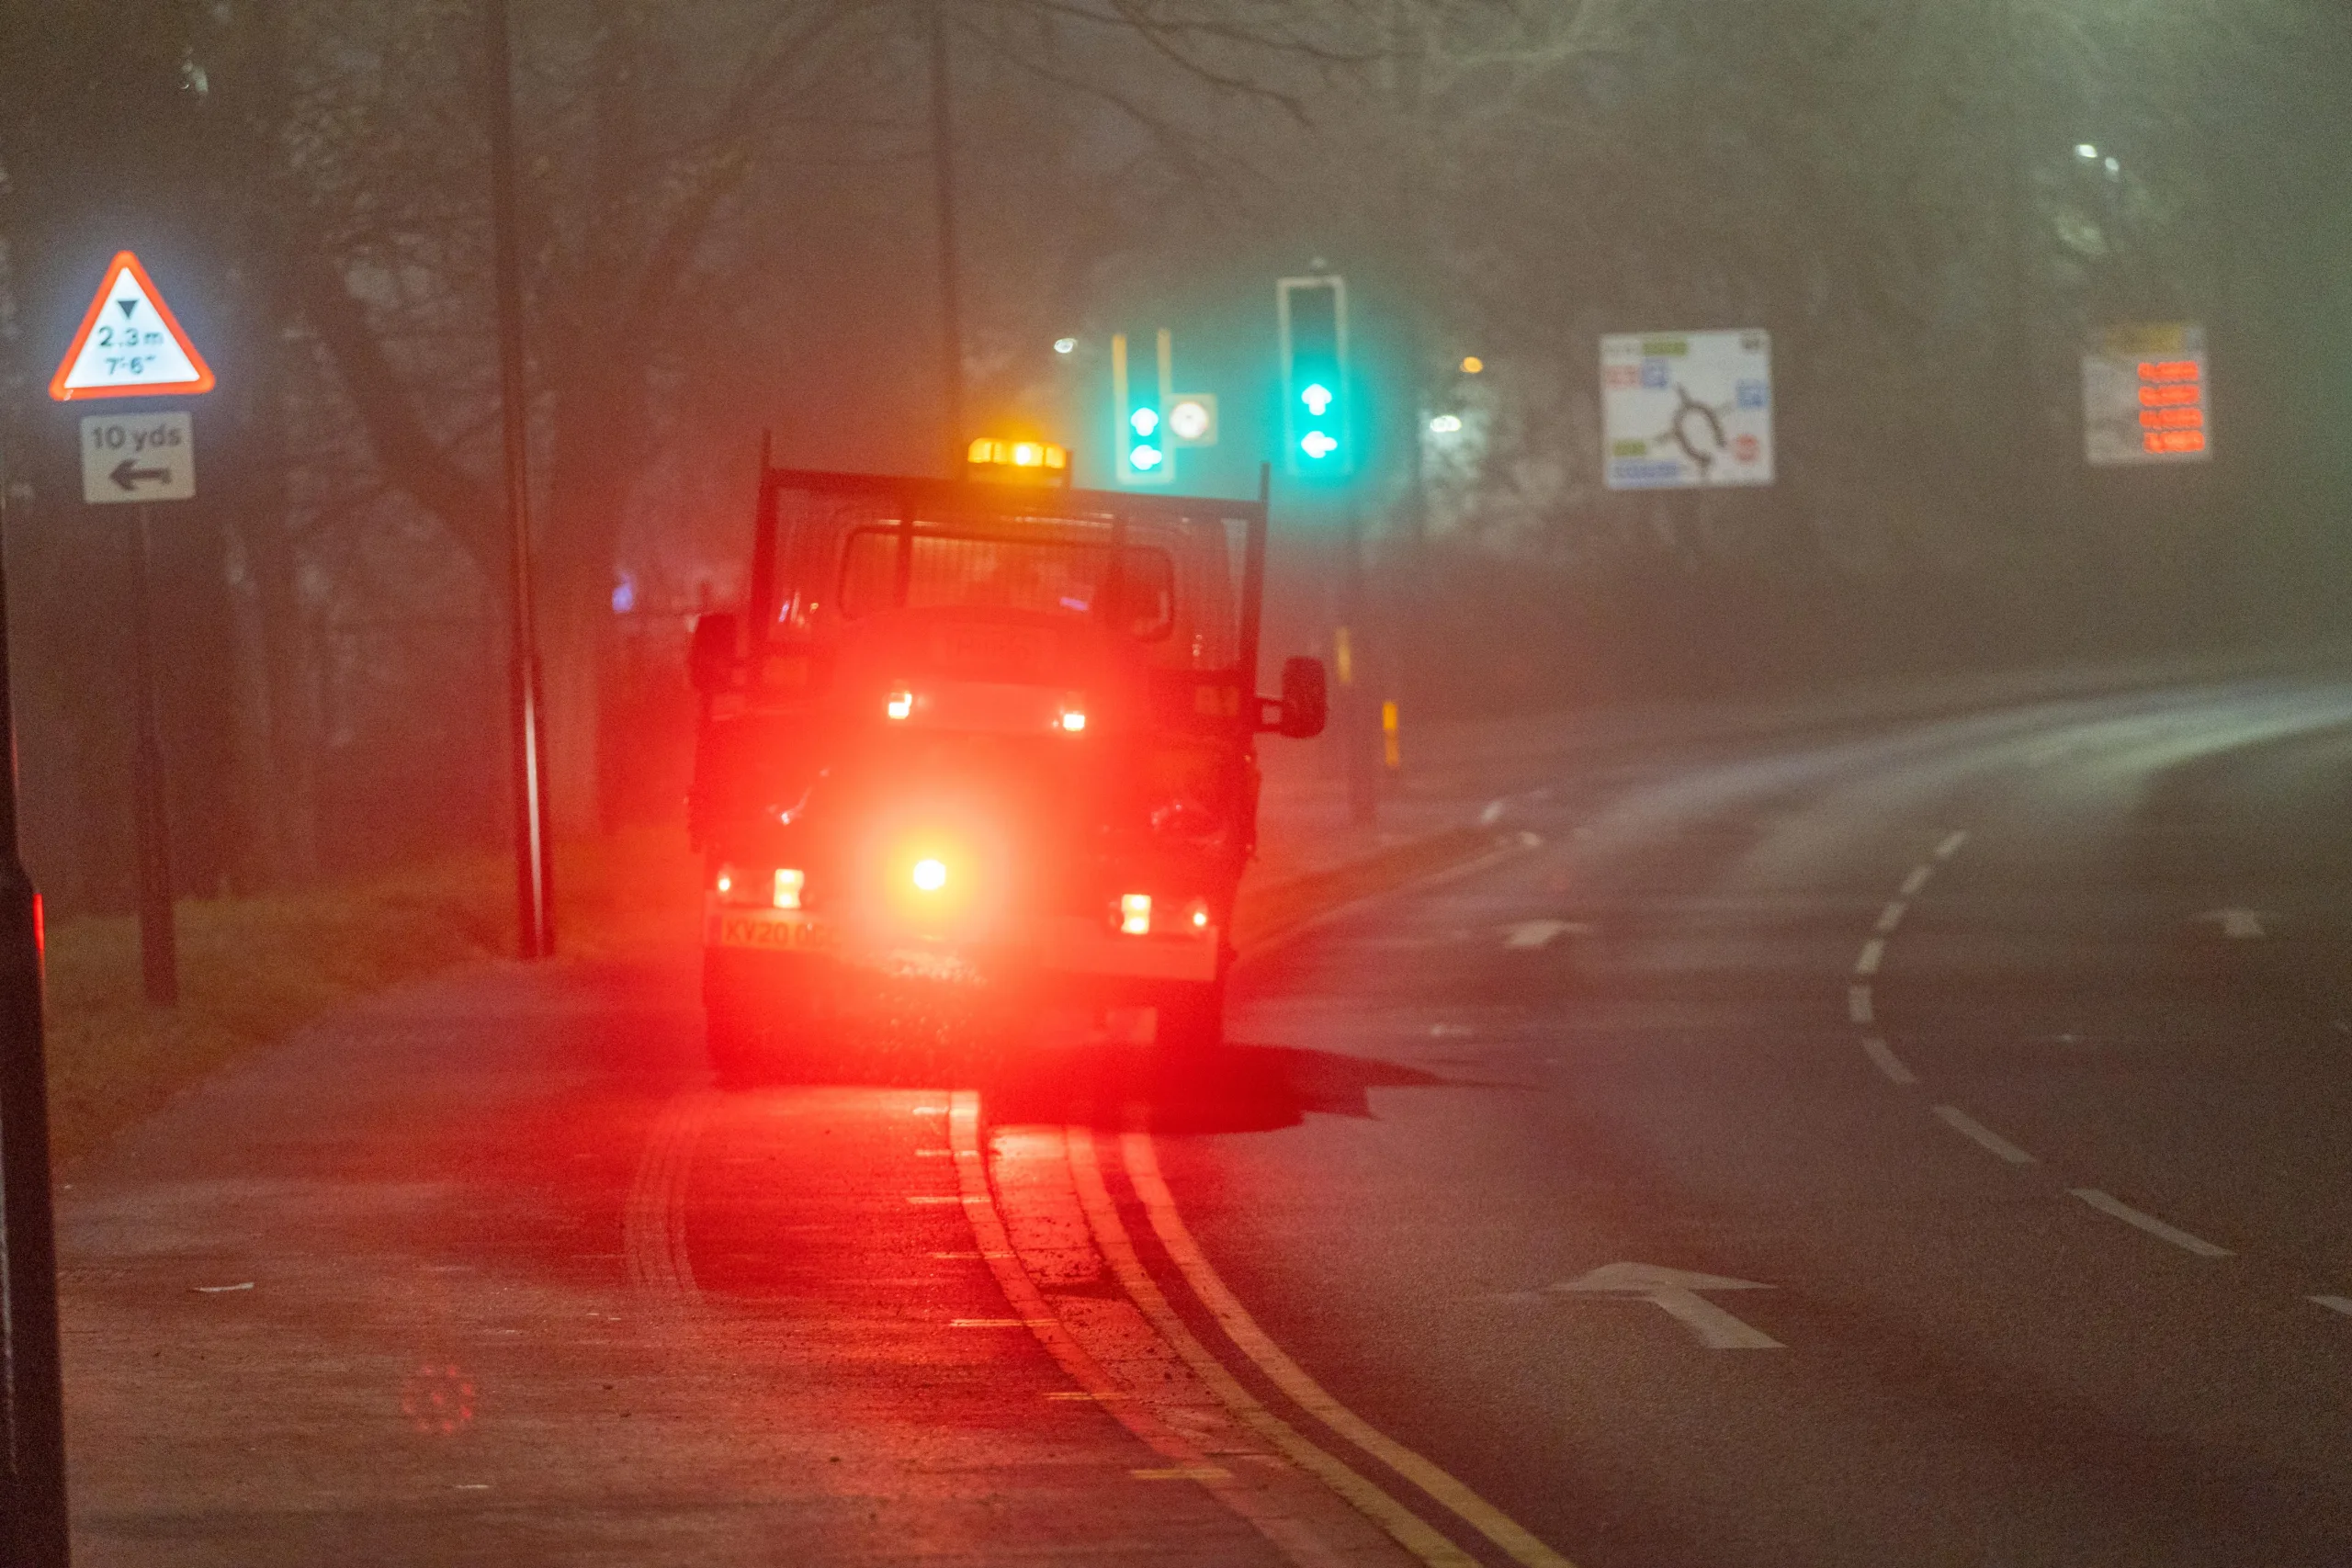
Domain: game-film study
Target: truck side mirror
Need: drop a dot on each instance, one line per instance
(1306, 701)
(710, 656)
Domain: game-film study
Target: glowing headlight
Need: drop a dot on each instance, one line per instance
(900, 705)
(930, 875)
(789, 883)
(1135, 914)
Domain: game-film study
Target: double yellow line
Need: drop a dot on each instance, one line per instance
(1407, 1529)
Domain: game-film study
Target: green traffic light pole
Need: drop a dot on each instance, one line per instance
(33, 1524)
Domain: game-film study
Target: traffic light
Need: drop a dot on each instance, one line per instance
(1318, 440)
(1140, 404)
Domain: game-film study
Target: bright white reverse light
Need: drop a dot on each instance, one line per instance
(1446, 424)
(1135, 914)
(931, 875)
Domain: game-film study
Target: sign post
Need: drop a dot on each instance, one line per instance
(130, 345)
(142, 458)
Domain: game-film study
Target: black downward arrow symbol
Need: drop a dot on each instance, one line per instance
(127, 307)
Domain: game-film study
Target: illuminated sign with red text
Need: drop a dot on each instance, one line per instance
(2145, 398)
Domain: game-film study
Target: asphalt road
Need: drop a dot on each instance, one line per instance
(1860, 1141)
(2005, 1062)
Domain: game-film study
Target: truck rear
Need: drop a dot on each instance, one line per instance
(991, 745)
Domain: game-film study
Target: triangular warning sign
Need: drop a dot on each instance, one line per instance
(131, 345)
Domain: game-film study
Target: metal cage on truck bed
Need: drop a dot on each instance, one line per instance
(1182, 576)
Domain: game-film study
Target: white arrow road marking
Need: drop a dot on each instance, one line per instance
(1678, 1291)
(2238, 925)
(1540, 934)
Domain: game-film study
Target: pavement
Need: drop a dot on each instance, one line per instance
(1902, 1131)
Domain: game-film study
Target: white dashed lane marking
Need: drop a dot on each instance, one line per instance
(1968, 1127)
(1891, 917)
(1872, 950)
(1917, 880)
(2108, 1204)
(1886, 1061)
(1858, 1003)
(1950, 846)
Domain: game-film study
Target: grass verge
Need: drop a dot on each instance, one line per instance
(254, 970)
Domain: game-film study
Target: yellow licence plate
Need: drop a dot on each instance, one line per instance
(769, 933)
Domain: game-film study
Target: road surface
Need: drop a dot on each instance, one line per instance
(1853, 1141)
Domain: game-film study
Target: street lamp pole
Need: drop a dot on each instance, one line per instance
(943, 163)
(534, 853)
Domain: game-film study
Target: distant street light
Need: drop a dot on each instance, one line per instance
(1065, 346)
(1471, 365)
(1446, 424)
(2085, 151)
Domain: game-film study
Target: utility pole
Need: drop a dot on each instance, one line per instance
(2030, 463)
(33, 1523)
(534, 853)
(943, 164)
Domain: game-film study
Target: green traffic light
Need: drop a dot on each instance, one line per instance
(1144, 421)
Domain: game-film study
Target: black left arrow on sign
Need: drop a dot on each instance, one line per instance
(125, 476)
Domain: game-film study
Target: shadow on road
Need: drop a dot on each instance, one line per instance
(1231, 1088)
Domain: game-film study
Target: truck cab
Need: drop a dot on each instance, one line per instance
(992, 745)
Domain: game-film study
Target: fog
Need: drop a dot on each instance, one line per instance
(730, 231)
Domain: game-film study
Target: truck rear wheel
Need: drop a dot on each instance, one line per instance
(1191, 1017)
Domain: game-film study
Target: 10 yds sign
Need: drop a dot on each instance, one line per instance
(146, 456)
